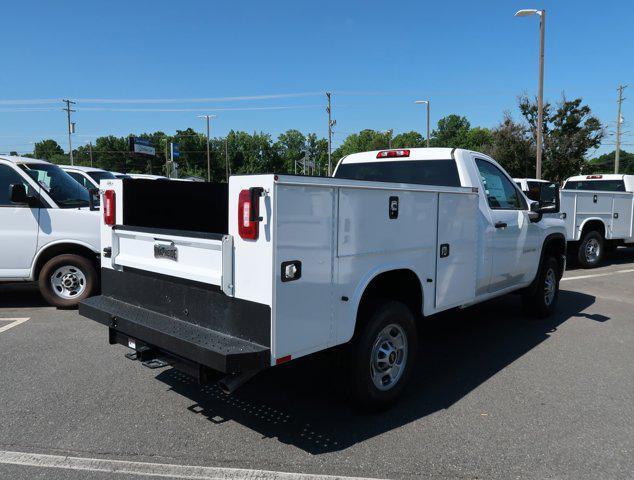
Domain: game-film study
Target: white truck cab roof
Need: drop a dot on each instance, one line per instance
(584, 182)
(81, 168)
(408, 154)
(16, 159)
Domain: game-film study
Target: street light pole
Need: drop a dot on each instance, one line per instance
(539, 140)
(427, 102)
(207, 117)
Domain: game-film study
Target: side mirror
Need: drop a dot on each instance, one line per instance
(17, 194)
(548, 198)
(93, 198)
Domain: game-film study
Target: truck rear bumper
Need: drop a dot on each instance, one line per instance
(198, 325)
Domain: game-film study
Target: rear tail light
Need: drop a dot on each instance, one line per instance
(248, 215)
(594, 177)
(109, 208)
(392, 153)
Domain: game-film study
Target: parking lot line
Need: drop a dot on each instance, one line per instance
(14, 322)
(188, 472)
(579, 277)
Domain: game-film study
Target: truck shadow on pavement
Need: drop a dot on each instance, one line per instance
(21, 295)
(304, 404)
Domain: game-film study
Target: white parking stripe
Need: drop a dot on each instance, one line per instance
(579, 277)
(14, 323)
(153, 469)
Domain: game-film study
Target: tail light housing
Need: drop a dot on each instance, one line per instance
(249, 213)
(109, 207)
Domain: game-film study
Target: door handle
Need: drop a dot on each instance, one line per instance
(501, 225)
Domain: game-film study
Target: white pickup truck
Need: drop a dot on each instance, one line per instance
(598, 211)
(280, 266)
(48, 233)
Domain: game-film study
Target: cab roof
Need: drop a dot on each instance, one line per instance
(414, 154)
(15, 159)
(82, 168)
(599, 176)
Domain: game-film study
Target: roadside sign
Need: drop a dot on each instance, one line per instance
(142, 146)
(175, 150)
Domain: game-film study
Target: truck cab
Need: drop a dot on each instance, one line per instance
(49, 234)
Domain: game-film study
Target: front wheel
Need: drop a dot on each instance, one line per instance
(591, 250)
(67, 279)
(383, 356)
(543, 301)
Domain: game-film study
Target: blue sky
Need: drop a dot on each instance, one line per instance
(470, 57)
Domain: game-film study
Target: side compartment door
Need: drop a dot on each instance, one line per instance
(18, 228)
(456, 257)
(622, 216)
(303, 270)
(515, 238)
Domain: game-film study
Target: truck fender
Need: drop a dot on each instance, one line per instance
(346, 331)
(550, 241)
(71, 245)
(585, 222)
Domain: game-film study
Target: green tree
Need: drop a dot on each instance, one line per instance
(45, 149)
(455, 131)
(513, 148)
(605, 163)
(364, 141)
(569, 131)
(408, 139)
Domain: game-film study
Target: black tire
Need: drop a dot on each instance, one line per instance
(543, 301)
(77, 276)
(365, 349)
(591, 250)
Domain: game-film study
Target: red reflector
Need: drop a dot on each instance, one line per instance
(109, 207)
(392, 153)
(285, 359)
(247, 229)
(594, 176)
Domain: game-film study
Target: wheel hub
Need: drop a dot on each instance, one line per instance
(389, 357)
(68, 282)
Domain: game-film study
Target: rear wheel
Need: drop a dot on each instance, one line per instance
(383, 356)
(67, 279)
(543, 301)
(591, 250)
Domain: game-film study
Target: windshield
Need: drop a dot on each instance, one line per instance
(62, 188)
(98, 176)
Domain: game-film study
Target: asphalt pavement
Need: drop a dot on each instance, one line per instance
(495, 394)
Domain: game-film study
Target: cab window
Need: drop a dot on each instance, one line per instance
(83, 181)
(8, 177)
(501, 193)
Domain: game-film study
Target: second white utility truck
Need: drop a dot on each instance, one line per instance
(599, 214)
(277, 267)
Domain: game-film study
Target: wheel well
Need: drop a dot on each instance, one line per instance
(61, 249)
(556, 247)
(402, 285)
(593, 225)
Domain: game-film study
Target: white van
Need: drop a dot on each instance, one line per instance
(88, 177)
(49, 233)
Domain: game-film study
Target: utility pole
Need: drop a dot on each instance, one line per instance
(207, 117)
(71, 127)
(167, 160)
(617, 154)
(331, 123)
(90, 152)
(226, 160)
